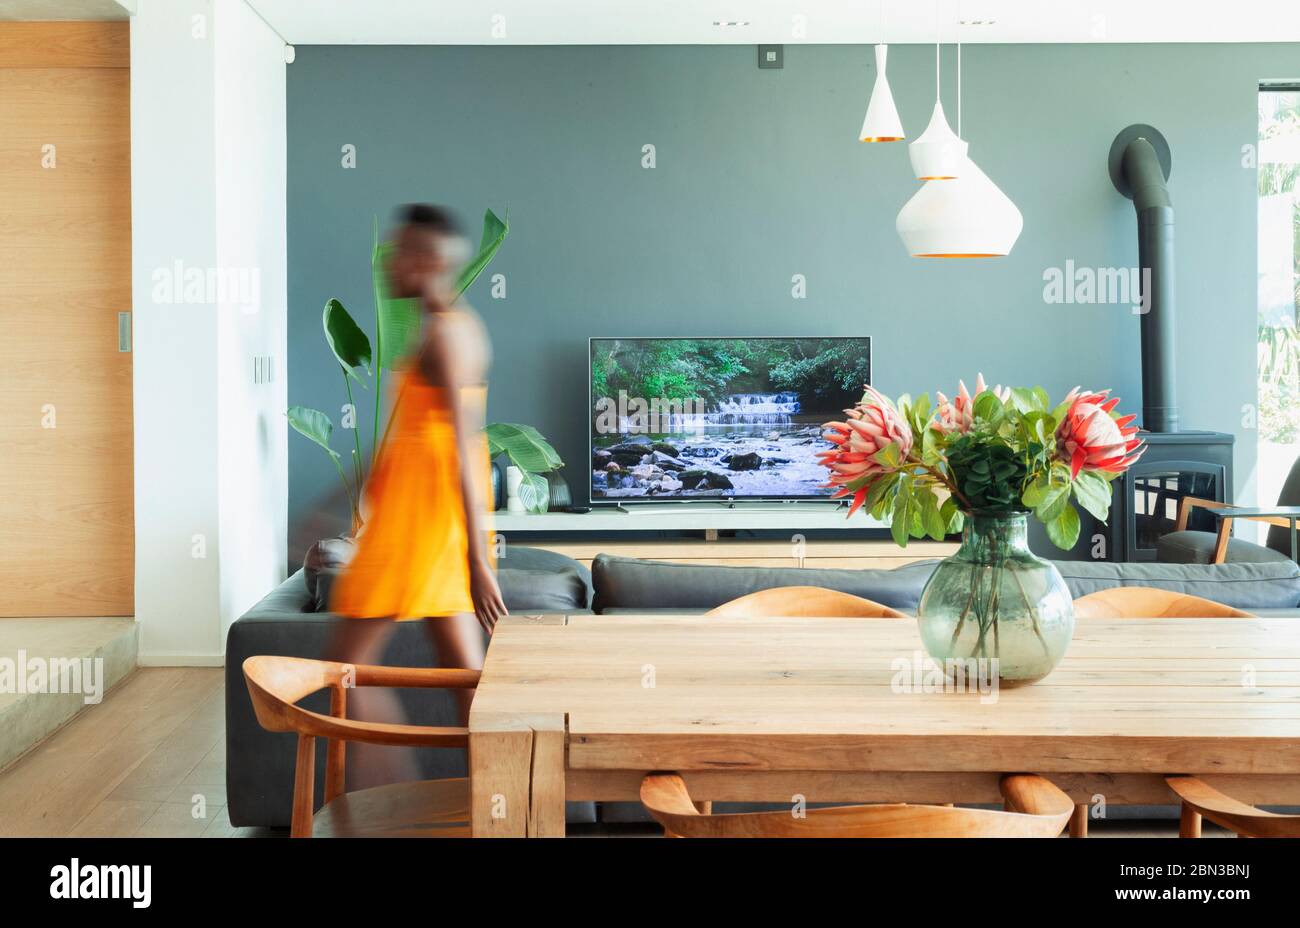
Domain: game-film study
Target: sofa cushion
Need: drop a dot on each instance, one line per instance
(1272, 585)
(632, 585)
(531, 579)
(1198, 548)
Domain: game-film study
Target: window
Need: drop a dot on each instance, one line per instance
(1279, 285)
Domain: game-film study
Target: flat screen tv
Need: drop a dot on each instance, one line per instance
(680, 419)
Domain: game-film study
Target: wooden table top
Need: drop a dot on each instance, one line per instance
(695, 693)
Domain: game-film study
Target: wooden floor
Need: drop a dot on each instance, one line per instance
(149, 761)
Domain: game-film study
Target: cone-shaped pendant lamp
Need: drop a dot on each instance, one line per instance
(967, 217)
(882, 123)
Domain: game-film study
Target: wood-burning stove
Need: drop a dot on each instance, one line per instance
(1177, 463)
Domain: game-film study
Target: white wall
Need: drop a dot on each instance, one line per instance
(251, 191)
(208, 191)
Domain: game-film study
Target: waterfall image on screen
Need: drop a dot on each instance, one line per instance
(698, 418)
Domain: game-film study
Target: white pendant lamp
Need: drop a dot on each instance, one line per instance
(967, 217)
(937, 153)
(882, 123)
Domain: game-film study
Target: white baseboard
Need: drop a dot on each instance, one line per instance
(181, 660)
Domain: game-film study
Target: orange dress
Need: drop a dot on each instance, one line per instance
(411, 559)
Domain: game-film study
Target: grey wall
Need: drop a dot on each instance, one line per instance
(760, 176)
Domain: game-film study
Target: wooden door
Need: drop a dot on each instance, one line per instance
(66, 516)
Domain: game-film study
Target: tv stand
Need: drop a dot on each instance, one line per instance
(759, 534)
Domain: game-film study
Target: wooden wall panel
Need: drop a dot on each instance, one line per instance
(65, 45)
(66, 516)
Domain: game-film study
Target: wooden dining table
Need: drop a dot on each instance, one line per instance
(835, 710)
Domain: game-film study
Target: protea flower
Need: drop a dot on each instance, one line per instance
(1089, 439)
(958, 415)
(872, 425)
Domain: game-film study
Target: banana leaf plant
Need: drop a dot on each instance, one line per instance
(397, 325)
(527, 450)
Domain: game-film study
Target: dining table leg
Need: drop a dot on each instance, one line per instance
(516, 771)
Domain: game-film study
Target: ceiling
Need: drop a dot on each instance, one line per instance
(651, 22)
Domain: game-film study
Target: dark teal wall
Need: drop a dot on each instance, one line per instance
(760, 176)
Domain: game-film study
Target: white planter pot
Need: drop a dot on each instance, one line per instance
(514, 478)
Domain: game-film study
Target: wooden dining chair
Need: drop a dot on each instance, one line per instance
(804, 601)
(1200, 799)
(428, 808)
(1035, 809)
(1144, 602)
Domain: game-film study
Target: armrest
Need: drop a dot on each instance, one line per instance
(1282, 513)
(450, 678)
(338, 729)
(1188, 503)
(1231, 813)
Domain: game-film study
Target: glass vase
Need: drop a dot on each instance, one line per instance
(994, 600)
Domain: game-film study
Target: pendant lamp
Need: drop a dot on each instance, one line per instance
(967, 217)
(882, 123)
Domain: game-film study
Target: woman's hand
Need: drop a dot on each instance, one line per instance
(486, 593)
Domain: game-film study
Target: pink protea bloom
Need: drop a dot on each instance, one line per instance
(872, 425)
(958, 414)
(1089, 439)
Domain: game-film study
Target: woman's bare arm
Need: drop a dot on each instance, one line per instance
(438, 367)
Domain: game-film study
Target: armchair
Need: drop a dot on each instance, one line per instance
(1190, 547)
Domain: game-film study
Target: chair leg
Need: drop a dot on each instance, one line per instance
(1079, 821)
(304, 787)
(1189, 822)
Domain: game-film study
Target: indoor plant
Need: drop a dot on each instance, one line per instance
(397, 322)
(980, 464)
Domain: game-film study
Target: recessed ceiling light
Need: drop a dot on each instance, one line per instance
(728, 24)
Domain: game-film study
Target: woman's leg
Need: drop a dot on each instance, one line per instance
(362, 641)
(458, 642)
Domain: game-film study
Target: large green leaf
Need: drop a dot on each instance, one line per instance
(1093, 493)
(535, 493)
(524, 445)
(1064, 529)
(346, 339)
(313, 424)
(494, 233)
(397, 320)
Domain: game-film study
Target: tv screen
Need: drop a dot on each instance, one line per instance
(733, 418)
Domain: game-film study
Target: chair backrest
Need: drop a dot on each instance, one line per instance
(276, 683)
(798, 601)
(1144, 602)
(1279, 538)
(1042, 812)
(1221, 809)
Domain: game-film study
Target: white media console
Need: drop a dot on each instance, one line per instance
(865, 542)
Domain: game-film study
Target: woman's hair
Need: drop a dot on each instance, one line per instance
(426, 216)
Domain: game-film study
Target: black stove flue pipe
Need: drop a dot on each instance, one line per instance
(1139, 167)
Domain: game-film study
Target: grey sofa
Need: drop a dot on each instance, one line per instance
(291, 621)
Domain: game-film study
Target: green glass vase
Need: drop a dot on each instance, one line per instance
(995, 602)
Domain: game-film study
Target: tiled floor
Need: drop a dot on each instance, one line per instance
(149, 761)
